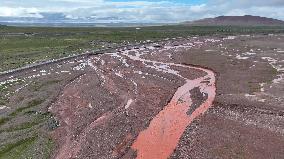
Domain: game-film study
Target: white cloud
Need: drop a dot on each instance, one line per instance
(198, 8)
(19, 12)
(140, 10)
(248, 3)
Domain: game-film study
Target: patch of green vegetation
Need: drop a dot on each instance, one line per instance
(31, 104)
(274, 71)
(50, 82)
(17, 149)
(41, 146)
(36, 86)
(49, 146)
(2, 100)
(20, 148)
(30, 112)
(2, 88)
(254, 87)
(4, 120)
(22, 126)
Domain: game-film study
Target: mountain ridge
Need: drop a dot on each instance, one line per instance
(246, 20)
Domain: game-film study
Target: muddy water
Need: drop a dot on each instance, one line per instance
(161, 137)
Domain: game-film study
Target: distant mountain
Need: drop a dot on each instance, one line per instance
(246, 20)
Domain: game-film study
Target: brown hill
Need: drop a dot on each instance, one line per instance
(246, 20)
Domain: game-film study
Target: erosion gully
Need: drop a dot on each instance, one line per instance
(161, 137)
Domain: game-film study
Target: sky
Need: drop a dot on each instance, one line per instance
(146, 11)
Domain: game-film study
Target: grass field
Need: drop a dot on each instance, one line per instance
(20, 46)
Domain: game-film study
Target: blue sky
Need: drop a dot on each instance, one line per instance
(138, 10)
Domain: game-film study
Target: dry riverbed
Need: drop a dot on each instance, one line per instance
(200, 97)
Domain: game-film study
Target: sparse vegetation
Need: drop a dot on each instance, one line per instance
(31, 104)
(36, 86)
(4, 120)
(24, 148)
(17, 149)
(22, 126)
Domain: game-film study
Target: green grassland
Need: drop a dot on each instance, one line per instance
(24, 129)
(20, 46)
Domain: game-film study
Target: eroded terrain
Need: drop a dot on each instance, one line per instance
(199, 97)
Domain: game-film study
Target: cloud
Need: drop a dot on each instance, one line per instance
(248, 3)
(266, 8)
(139, 10)
(19, 12)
